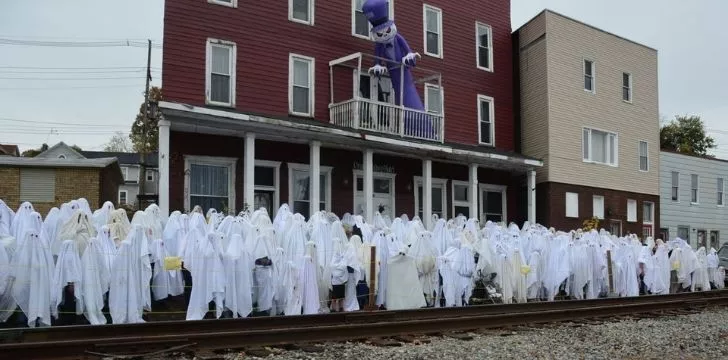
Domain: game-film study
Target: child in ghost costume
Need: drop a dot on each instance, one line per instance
(239, 266)
(208, 276)
(67, 290)
(31, 278)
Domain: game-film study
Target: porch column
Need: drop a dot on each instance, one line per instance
(249, 175)
(426, 192)
(369, 185)
(163, 186)
(473, 191)
(314, 184)
(531, 196)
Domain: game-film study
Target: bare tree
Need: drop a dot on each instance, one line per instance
(118, 143)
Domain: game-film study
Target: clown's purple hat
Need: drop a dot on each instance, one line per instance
(377, 12)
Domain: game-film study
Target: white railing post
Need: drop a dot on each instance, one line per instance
(401, 100)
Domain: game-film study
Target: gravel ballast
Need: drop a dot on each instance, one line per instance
(696, 336)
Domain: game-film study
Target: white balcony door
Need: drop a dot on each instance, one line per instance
(377, 89)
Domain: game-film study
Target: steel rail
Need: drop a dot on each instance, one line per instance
(58, 342)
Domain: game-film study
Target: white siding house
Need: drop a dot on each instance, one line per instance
(693, 199)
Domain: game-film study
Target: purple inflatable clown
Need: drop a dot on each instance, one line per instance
(390, 45)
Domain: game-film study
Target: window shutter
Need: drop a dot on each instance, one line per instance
(38, 185)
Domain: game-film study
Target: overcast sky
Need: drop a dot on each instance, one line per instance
(108, 83)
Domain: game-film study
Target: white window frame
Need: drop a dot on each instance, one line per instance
(311, 10)
(276, 188)
(436, 182)
(696, 189)
(569, 214)
(593, 75)
(596, 212)
(150, 175)
(720, 192)
(675, 186)
(312, 84)
(231, 3)
(628, 87)
(441, 90)
(381, 175)
(426, 7)
(491, 101)
(125, 173)
(631, 210)
(208, 71)
(646, 156)
(229, 162)
(650, 223)
(325, 170)
(589, 157)
(460, 203)
(126, 197)
(353, 20)
(504, 200)
(478, 26)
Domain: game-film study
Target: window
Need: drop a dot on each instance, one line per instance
(210, 183)
(631, 210)
(301, 11)
(600, 147)
(675, 186)
(37, 185)
(230, 3)
(123, 194)
(589, 76)
(694, 189)
(439, 200)
(125, 173)
(61, 156)
(486, 116)
(493, 203)
(266, 186)
(460, 199)
(360, 26)
(714, 239)
(572, 205)
(683, 232)
(484, 47)
(598, 206)
(299, 188)
(220, 73)
(702, 238)
(721, 190)
(665, 234)
(301, 85)
(150, 175)
(647, 212)
(433, 99)
(433, 30)
(644, 163)
(627, 87)
(615, 227)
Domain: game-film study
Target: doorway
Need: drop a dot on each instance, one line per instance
(382, 195)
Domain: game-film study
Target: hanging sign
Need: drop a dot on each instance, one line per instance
(389, 169)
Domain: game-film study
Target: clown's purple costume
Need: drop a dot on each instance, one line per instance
(390, 45)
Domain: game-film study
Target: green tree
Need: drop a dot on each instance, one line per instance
(144, 132)
(34, 152)
(686, 134)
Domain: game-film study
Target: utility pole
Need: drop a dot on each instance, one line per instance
(147, 121)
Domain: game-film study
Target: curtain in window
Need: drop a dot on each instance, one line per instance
(209, 186)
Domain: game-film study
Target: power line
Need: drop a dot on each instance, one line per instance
(117, 43)
(56, 123)
(76, 78)
(68, 87)
(66, 72)
(77, 68)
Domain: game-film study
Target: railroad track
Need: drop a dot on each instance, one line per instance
(77, 341)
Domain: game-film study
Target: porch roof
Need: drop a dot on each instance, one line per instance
(215, 121)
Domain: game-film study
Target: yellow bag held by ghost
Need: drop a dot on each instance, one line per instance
(525, 269)
(676, 265)
(172, 263)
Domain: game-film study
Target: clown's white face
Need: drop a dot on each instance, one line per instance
(385, 35)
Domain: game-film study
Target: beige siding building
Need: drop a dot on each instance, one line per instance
(589, 110)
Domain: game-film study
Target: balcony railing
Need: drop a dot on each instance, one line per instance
(352, 110)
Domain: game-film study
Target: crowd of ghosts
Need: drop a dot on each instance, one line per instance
(105, 268)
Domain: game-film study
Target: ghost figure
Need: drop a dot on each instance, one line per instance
(392, 50)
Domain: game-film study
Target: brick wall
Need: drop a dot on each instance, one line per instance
(9, 187)
(551, 207)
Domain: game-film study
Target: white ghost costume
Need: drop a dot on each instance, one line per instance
(239, 266)
(32, 273)
(67, 271)
(208, 278)
(6, 296)
(96, 278)
(129, 293)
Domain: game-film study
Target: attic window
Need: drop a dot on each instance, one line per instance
(61, 156)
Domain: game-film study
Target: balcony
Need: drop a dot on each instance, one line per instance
(364, 101)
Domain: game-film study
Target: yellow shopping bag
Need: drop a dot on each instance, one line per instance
(172, 263)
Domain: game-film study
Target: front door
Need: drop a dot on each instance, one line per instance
(615, 227)
(492, 204)
(702, 241)
(382, 198)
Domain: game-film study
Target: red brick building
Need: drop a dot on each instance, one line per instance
(260, 95)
